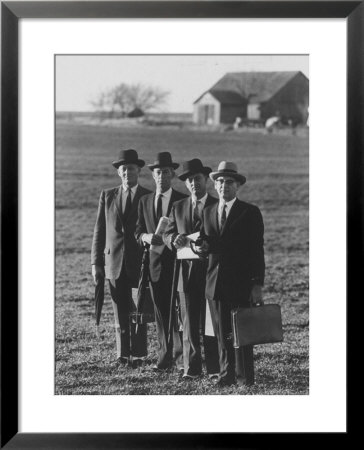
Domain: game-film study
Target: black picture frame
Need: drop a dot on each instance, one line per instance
(11, 13)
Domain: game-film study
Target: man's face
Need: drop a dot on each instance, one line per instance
(163, 178)
(226, 187)
(129, 174)
(196, 184)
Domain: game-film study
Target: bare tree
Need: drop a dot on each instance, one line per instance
(146, 97)
(125, 98)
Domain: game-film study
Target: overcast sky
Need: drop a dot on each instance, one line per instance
(80, 78)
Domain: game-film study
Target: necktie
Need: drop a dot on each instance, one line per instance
(127, 205)
(196, 216)
(223, 217)
(159, 207)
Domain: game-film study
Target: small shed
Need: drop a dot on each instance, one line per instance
(254, 96)
(136, 112)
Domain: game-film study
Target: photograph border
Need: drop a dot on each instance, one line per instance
(11, 13)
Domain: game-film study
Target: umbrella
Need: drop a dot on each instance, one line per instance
(142, 285)
(99, 299)
(172, 311)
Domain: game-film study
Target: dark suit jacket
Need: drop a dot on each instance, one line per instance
(147, 223)
(236, 259)
(113, 242)
(192, 272)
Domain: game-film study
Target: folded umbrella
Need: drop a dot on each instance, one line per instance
(173, 321)
(142, 286)
(99, 299)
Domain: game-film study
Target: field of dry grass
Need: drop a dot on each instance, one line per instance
(276, 167)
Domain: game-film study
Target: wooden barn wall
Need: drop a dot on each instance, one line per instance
(291, 101)
(198, 114)
(230, 112)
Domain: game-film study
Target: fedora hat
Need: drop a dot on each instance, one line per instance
(192, 167)
(164, 159)
(230, 169)
(129, 156)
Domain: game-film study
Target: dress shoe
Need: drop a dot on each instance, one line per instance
(161, 369)
(121, 361)
(137, 362)
(213, 376)
(225, 381)
(188, 377)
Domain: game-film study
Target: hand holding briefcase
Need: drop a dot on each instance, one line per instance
(257, 325)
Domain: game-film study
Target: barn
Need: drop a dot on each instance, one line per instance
(254, 96)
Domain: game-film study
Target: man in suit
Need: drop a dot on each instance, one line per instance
(151, 208)
(185, 219)
(234, 241)
(116, 255)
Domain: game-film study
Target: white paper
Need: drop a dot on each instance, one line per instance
(186, 252)
(161, 228)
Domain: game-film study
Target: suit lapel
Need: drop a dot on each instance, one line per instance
(214, 218)
(118, 202)
(151, 210)
(187, 212)
(172, 199)
(210, 200)
(235, 211)
(134, 204)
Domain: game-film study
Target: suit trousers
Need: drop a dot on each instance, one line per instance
(191, 310)
(128, 342)
(172, 351)
(235, 363)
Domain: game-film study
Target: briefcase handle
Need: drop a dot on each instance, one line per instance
(255, 305)
(194, 243)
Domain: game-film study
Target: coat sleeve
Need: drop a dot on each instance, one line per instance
(99, 237)
(257, 247)
(141, 227)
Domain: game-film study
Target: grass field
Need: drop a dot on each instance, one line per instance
(276, 167)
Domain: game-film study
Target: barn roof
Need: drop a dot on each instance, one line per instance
(228, 97)
(257, 86)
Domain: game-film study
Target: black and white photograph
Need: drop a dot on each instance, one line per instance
(181, 210)
(182, 224)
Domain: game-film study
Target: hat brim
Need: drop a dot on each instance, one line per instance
(237, 176)
(120, 162)
(205, 170)
(156, 166)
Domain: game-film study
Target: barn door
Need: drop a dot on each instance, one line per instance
(207, 114)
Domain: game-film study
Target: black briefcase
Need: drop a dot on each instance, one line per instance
(257, 325)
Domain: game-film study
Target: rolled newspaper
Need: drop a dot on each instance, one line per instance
(161, 228)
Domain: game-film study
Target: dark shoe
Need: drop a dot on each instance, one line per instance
(121, 361)
(188, 377)
(242, 382)
(161, 369)
(225, 381)
(136, 363)
(213, 376)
